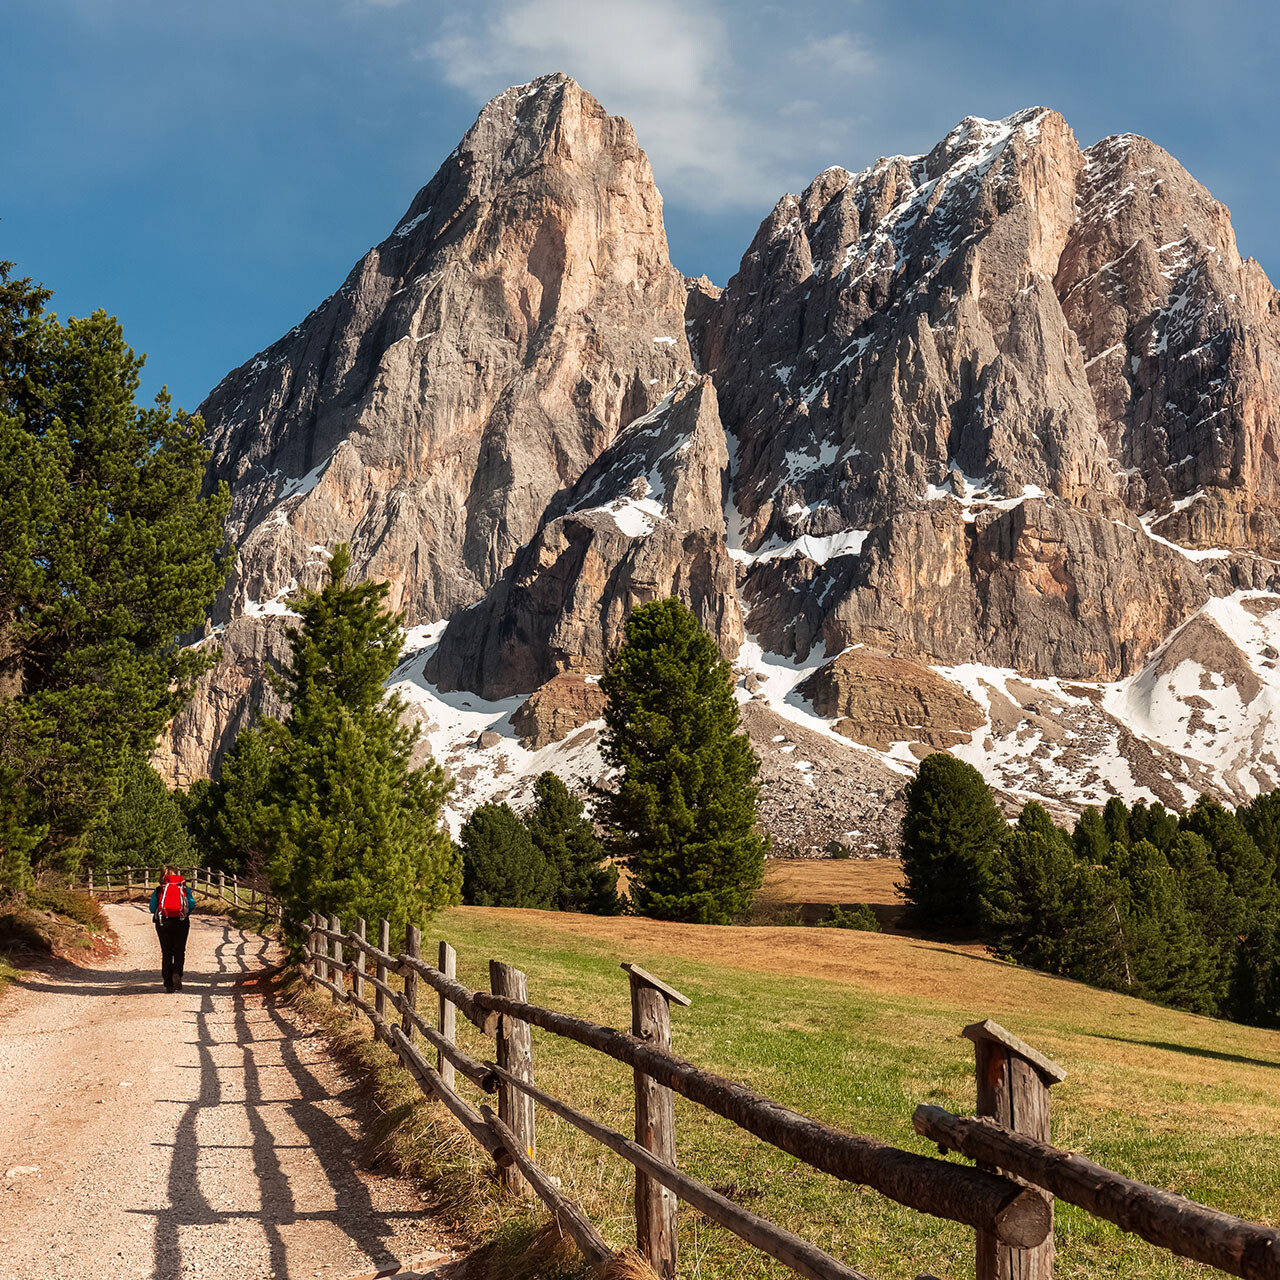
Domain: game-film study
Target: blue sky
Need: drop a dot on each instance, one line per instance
(209, 170)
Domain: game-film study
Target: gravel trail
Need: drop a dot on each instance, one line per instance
(205, 1133)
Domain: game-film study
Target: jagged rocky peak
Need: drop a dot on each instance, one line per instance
(1182, 345)
(888, 327)
(644, 522)
(964, 446)
(902, 364)
(471, 366)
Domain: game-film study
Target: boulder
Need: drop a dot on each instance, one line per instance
(550, 714)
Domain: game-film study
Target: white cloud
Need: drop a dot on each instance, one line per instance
(839, 53)
(667, 66)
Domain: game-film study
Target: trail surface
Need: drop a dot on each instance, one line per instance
(204, 1133)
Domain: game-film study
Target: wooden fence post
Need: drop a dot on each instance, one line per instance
(412, 947)
(335, 968)
(515, 1054)
(128, 871)
(384, 945)
(235, 889)
(448, 1014)
(91, 882)
(108, 882)
(357, 978)
(1013, 1090)
(146, 877)
(222, 885)
(655, 1122)
(312, 963)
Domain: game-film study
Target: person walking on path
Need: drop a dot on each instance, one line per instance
(171, 908)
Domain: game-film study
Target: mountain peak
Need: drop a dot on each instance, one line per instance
(1003, 409)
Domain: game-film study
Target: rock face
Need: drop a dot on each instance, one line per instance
(878, 700)
(472, 365)
(646, 521)
(1004, 415)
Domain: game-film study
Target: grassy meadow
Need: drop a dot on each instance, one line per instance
(855, 1028)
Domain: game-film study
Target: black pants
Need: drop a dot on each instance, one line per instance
(173, 947)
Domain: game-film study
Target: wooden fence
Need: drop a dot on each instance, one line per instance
(1008, 1198)
(205, 884)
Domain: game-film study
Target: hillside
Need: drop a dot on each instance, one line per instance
(858, 1028)
(976, 451)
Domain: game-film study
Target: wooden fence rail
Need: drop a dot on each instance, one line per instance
(205, 884)
(1008, 1199)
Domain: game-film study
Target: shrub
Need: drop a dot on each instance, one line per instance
(858, 916)
(76, 906)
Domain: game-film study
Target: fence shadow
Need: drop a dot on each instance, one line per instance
(231, 1016)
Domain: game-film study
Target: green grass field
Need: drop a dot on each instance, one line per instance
(857, 1029)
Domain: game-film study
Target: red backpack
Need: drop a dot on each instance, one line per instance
(173, 899)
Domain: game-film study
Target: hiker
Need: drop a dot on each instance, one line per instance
(171, 908)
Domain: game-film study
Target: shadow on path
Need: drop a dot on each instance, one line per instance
(239, 954)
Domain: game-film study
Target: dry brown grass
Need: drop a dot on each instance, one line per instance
(843, 880)
(857, 1029)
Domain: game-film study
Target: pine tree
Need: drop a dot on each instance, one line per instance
(232, 820)
(1165, 963)
(142, 826)
(1261, 819)
(110, 553)
(567, 840)
(1155, 823)
(1092, 844)
(682, 816)
(501, 864)
(950, 835)
(1254, 993)
(1115, 820)
(1032, 906)
(1233, 852)
(357, 828)
(1216, 912)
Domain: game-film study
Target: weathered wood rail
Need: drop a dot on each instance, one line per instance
(1007, 1199)
(205, 883)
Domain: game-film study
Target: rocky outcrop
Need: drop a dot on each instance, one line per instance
(816, 788)
(1180, 336)
(473, 364)
(227, 696)
(877, 699)
(560, 707)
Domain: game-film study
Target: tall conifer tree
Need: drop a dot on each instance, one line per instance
(568, 840)
(109, 553)
(682, 815)
(357, 828)
(502, 866)
(950, 834)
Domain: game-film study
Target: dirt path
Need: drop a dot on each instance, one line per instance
(205, 1133)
